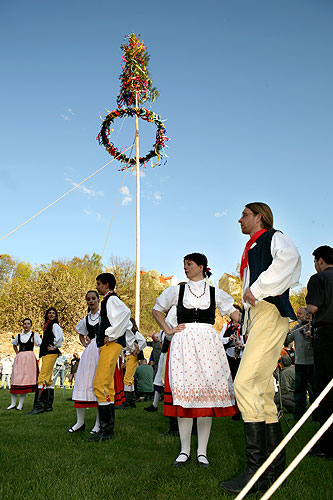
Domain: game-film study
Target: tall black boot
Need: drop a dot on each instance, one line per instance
(173, 428)
(38, 402)
(127, 402)
(274, 437)
(132, 399)
(106, 418)
(49, 397)
(256, 454)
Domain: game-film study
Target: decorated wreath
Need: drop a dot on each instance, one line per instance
(144, 114)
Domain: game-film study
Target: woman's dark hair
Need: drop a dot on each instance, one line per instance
(107, 278)
(324, 252)
(236, 306)
(201, 260)
(27, 319)
(56, 313)
(135, 326)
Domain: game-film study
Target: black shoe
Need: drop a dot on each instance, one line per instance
(180, 464)
(151, 408)
(256, 452)
(316, 452)
(82, 428)
(202, 464)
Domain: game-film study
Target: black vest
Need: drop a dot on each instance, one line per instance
(48, 339)
(260, 258)
(27, 346)
(92, 329)
(104, 323)
(196, 315)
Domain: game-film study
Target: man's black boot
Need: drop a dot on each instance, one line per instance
(274, 437)
(256, 454)
(49, 398)
(38, 402)
(106, 418)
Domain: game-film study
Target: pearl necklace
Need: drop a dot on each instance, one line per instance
(198, 296)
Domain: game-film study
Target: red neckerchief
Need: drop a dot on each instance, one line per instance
(245, 256)
(46, 325)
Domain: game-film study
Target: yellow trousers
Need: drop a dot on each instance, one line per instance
(45, 374)
(103, 384)
(131, 365)
(254, 386)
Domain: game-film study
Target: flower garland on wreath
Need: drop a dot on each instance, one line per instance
(136, 87)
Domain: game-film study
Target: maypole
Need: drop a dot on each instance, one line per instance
(136, 87)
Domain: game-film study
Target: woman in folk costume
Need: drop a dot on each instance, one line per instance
(25, 369)
(83, 394)
(49, 351)
(198, 380)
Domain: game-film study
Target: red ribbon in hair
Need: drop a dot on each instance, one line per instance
(245, 256)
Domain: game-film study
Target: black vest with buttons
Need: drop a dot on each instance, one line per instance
(48, 339)
(185, 315)
(92, 329)
(27, 346)
(260, 258)
(104, 323)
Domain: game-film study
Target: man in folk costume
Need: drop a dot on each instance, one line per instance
(111, 338)
(270, 266)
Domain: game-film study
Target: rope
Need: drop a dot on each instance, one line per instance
(286, 440)
(65, 194)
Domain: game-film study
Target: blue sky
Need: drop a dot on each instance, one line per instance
(246, 92)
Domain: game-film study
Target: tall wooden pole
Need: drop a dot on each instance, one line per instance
(137, 275)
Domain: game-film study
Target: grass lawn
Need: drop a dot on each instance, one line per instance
(40, 461)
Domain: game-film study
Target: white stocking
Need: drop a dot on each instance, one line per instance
(22, 398)
(13, 398)
(96, 426)
(156, 399)
(185, 431)
(80, 413)
(204, 425)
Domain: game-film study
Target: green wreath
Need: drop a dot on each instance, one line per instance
(144, 114)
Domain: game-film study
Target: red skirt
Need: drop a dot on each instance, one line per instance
(171, 410)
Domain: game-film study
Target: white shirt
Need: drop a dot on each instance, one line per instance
(58, 335)
(25, 337)
(169, 298)
(119, 317)
(283, 273)
(7, 366)
(81, 327)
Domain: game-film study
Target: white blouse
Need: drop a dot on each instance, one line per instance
(283, 273)
(81, 327)
(169, 298)
(25, 337)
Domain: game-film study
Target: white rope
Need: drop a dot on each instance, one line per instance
(297, 459)
(283, 443)
(62, 196)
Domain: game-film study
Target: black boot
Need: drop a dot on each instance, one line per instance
(274, 437)
(132, 402)
(255, 439)
(49, 397)
(127, 402)
(106, 418)
(38, 402)
(173, 428)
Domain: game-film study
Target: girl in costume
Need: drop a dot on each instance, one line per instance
(198, 382)
(25, 369)
(83, 394)
(49, 351)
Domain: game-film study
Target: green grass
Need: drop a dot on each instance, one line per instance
(40, 461)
